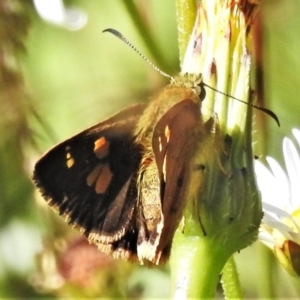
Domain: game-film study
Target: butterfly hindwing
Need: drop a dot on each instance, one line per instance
(91, 179)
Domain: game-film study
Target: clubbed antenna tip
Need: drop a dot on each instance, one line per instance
(128, 43)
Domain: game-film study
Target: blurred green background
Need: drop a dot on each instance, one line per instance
(66, 81)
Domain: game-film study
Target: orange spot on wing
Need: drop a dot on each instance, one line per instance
(91, 179)
(167, 133)
(103, 179)
(69, 160)
(101, 147)
(100, 177)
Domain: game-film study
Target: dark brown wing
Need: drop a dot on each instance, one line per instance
(91, 179)
(173, 143)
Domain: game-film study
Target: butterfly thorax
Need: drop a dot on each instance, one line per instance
(182, 87)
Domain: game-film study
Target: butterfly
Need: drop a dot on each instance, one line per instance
(123, 182)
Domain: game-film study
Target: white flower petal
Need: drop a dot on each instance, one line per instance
(280, 213)
(282, 189)
(296, 133)
(280, 226)
(270, 215)
(267, 184)
(292, 162)
(283, 228)
(268, 239)
(55, 12)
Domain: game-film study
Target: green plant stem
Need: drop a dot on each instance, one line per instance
(266, 287)
(195, 265)
(144, 31)
(230, 281)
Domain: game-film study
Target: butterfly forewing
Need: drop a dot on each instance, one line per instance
(163, 184)
(91, 179)
(173, 144)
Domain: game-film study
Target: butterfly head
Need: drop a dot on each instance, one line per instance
(190, 81)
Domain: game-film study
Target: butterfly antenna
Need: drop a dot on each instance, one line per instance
(263, 109)
(128, 43)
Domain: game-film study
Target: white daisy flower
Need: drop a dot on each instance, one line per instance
(55, 12)
(280, 228)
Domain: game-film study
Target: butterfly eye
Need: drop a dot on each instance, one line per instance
(200, 90)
